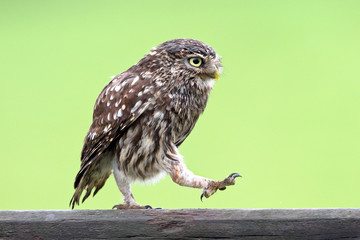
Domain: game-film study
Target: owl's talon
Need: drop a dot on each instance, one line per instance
(219, 185)
(202, 195)
(207, 192)
(234, 175)
(230, 180)
(120, 206)
(148, 207)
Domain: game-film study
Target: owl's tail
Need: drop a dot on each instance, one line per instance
(93, 174)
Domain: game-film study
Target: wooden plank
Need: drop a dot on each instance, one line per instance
(182, 223)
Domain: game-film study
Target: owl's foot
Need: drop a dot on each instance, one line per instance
(221, 185)
(128, 206)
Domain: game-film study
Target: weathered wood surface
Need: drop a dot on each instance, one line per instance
(182, 223)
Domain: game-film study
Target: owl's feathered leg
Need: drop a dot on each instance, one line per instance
(125, 189)
(184, 177)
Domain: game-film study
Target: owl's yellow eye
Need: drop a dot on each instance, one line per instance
(195, 61)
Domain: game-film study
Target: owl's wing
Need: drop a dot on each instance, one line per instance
(186, 134)
(119, 104)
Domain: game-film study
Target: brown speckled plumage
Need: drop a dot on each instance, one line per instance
(143, 115)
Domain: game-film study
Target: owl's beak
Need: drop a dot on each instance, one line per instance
(211, 74)
(216, 74)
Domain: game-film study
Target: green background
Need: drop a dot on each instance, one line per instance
(285, 112)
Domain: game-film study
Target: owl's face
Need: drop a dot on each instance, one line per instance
(187, 58)
(203, 66)
(194, 57)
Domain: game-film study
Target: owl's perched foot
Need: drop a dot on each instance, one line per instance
(128, 206)
(221, 185)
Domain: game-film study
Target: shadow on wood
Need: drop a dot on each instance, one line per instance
(182, 223)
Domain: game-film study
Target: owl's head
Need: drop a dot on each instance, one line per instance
(184, 57)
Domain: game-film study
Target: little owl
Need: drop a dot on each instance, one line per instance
(143, 115)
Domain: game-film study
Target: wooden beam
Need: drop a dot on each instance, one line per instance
(182, 223)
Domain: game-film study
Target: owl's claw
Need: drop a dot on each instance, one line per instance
(202, 195)
(219, 185)
(234, 175)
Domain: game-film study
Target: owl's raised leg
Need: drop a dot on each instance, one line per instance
(184, 177)
(125, 189)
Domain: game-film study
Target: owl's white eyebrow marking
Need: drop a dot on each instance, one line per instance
(135, 80)
(119, 113)
(137, 105)
(108, 116)
(117, 88)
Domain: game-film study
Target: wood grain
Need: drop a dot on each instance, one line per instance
(182, 224)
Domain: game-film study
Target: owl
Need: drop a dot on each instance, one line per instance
(143, 115)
